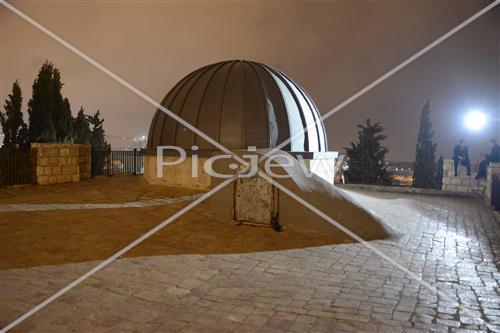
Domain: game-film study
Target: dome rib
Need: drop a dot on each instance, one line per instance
(173, 95)
(195, 137)
(312, 107)
(244, 106)
(319, 121)
(299, 107)
(239, 103)
(219, 130)
(265, 99)
(278, 104)
(189, 90)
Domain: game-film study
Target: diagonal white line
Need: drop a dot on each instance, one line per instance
(194, 129)
(116, 256)
(352, 235)
(386, 76)
(119, 79)
(443, 295)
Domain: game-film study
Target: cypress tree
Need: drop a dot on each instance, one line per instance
(41, 107)
(82, 131)
(439, 172)
(425, 164)
(12, 119)
(64, 123)
(62, 111)
(366, 158)
(97, 138)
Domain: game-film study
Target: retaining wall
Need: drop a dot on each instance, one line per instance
(493, 169)
(61, 163)
(179, 175)
(462, 182)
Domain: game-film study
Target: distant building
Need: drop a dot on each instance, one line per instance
(120, 142)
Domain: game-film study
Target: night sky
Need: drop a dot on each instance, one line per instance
(332, 49)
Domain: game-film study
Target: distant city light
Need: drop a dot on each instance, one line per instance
(141, 138)
(475, 120)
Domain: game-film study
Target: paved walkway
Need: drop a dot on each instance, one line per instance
(4, 208)
(450, 242)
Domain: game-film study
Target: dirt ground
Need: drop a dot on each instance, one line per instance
(62, 236)
(115, 189)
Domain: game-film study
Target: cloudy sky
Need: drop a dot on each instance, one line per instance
(331, 48)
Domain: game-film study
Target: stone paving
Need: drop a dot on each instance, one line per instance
(452, 243)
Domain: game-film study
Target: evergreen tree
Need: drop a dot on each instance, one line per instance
(41, 106)
(425, 164)
(65, 123)
(62, 111)
(97, 138)
(366, 158)
(23, 138)
(12, 120)
(439, 172)
(82, 131)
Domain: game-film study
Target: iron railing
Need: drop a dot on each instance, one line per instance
(17, 167)
(117, 162)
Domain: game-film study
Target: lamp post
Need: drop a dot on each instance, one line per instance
(475, 120)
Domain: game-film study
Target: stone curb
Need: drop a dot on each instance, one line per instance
(408, 190)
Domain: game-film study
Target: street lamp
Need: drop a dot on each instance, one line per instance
(475, 120)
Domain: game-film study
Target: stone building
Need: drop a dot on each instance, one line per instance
(244, 104)
(239, 104)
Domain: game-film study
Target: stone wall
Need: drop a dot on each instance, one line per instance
(466, 184)
(85, 161)
(493, 169)
(61, 163)
(179, 175)
(462, 182)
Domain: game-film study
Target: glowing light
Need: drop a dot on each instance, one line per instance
(475, 120)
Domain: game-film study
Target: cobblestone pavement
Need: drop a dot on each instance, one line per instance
(449, 242)
(133, 204)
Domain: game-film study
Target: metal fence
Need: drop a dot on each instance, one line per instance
(117, 162)
(17, 167)
(495, 192)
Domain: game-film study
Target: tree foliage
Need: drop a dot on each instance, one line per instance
(12, 119)
(63, 121)
(50, 116)
(366, 158)
(424, 174)
(41, 106)
(439, 171)
(49, 111)
(82, 130)
(97, 137)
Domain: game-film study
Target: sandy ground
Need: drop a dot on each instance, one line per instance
(115, 189)
(55, 237)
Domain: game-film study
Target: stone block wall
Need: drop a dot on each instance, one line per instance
(493, 169)
(462, 182)
(179, 175)
(85, 161)
(61, 163)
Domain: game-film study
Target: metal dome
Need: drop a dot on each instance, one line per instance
(239, 104)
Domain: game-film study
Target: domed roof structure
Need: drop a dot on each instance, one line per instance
(239, 104)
